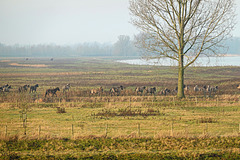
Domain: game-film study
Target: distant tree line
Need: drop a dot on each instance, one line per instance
(123, 47)
(234, 45)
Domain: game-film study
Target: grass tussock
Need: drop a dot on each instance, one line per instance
(61, 110)
(129, 112)
(207, 120)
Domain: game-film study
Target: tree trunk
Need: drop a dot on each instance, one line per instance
(180, 78)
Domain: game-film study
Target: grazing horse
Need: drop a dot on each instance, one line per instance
(66, 87)
(175, 90)
(205, 88)
(2, 88)
(214, 89)
(165, 91)
(140, 89)
(185, 87)
(97, 91)
(23, 88)
(5, 88)
(151, 90)
(211, 89)
(34, 88)
(117, 90)
(208, 89)
(52, 91)
(196, 89)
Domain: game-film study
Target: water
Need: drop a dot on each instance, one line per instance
(201, 61)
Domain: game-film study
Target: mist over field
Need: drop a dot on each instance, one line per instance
(124, 46)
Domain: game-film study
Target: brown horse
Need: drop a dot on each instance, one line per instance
(52, 91)
(151, 90)
(66, 87)
(23, 88)
(33, 88)
(165, 91)
(5, 88)
(96, 91)
(140, 89)
(116, 90)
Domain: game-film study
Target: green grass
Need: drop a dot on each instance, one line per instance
(128, 126)
(122, 117)
(134, 148)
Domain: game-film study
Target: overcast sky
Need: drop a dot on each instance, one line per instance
(67, 21)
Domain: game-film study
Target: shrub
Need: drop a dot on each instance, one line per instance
(61, 110)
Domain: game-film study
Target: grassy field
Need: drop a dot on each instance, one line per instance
(79, 125)
(94, 72)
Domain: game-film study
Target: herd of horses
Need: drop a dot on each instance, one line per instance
(32, 89)
(115, 90)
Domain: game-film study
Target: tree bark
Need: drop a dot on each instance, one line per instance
(181, 78)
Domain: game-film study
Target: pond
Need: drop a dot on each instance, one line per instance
(201, 61)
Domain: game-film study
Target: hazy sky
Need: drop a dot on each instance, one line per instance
(67, 21)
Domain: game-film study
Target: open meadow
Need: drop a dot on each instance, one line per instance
(80, 124)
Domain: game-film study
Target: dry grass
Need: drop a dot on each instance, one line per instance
(28, 65)
(90, 116)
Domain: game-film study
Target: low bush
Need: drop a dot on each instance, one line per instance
(61, 110)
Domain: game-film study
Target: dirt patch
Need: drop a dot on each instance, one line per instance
(49, 74)
(5, 61)
(28, 65)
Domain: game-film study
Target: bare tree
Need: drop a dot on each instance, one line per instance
(122, 46)
(182, 30)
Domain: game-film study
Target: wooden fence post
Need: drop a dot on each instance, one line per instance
(25, 130)
(72, 131)
(59, 102)
(206, 129)
(186, 130)
(25, 124)
(38, 100)
(106, 130)
(130, 101)
(39, 131)
(6, 130)
(174, 101)
(172, 129)
(139, 129)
